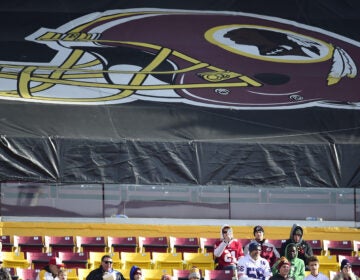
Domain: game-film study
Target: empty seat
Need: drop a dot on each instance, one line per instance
(153, 244)
(27, 274)
(71, 274)
(218, 274)
(184, 244)
(74, 260)
(38, 260)
(129, 259)
(167, 260)
(316, 246)
(122, 244)
(336, 247)
(7, 245)
(95, 259)
(200, 260)
(207, 244)
(91, 244)
(328, 263)
(55, 244)
(154, 274)
(28, 244)
(15, 259)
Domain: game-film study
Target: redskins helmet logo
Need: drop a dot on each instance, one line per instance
(212, 59)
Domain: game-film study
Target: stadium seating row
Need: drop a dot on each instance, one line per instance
(85, 244)
(122, 260)
(148, 274)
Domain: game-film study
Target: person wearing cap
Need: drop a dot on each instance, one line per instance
(297, 268)
(52, 269)
(105, 271)
(283, 270)
(346, 272)
(268, 250)
(194, 274)
(227, 250)
(296, 236)
(135, 273)
(4, 273)
(253, 265)
(314, 266)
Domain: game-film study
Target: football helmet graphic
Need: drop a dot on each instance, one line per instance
(212, 59)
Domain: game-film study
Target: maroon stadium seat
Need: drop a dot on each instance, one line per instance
(184, 244)
(55, 244)
(29, 244)
(338, 247)
(91, 244)
(218, 274)
(38, 260)
(74, 260)
(122, 244)
(153, 244)
(7, 245)
(207, 244)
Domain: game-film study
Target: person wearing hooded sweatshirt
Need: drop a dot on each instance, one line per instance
(135, 273)
(297, 268)
(105, 271)
(227, 250)
(296, 236)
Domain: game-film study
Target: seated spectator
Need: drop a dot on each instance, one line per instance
(253, 265)
(303, 247)
(105, 271)
(135, 273)
(4, 273)
(227, 250)
(283, 270)
(62, 275)
(346, 272)
(194, 274)
(166, 277)
(52, 269)
(268, 250)
(314, 266)
(297, 269)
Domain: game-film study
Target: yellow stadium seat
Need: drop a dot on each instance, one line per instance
(15, 260)
(71, 274)
(201, 260)
(83, 273)
(167, 260)
(328, 263)
(154, 274)
(95, 259)
(125, 273)
(142, 260)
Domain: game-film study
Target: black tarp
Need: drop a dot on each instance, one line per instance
(157, 142)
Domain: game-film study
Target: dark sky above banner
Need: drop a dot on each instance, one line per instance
(153, 92)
